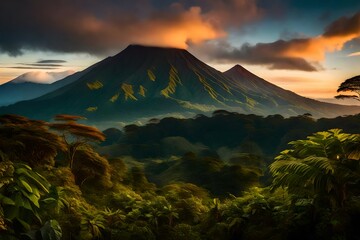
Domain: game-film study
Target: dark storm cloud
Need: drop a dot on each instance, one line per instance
(22, 67)
(42, 64)
(230, 13)
(51, 61)
(303, 54)
(100, 27)
(344, 26)
(309, 5)
(267, 54)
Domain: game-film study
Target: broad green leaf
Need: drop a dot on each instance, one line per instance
(6, 201)
(51, 231)
(24, 224)
(26, 185)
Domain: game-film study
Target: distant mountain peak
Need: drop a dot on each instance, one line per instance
(41, 77)
(239, 70)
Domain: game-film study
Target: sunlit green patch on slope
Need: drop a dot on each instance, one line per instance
(209, 89)
(142, 91)
(251, 102)
(94, 85)
(91, 109)
(151, 75)
(115, 97)
(220, 83)
(128, 91)
(173, 81)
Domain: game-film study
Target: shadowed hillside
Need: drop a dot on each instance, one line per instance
(13, 92)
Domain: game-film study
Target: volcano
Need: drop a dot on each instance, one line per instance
(146, 82)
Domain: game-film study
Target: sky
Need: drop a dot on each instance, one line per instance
(307, 46)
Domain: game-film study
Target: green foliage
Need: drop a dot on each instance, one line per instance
(64, 180)
(19, 197)
(6, 171)
(185, 231)
(114, 219)
(92, 224)
(75, 135)
(211, 173)
(322, 165)
(51, 231)
(55, 200)
(139, 180)
(30, 141)
(315, 191)
(90, 168)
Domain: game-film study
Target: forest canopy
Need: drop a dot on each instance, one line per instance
(58, 181)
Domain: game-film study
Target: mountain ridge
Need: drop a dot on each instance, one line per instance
(254, 83)
(12, 92)
(145, 82)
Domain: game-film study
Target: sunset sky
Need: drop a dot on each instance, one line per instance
(307, 46)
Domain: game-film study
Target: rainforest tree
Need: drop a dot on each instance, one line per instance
(75, 135)
(324, 166)
(350, 85)
(28, 140)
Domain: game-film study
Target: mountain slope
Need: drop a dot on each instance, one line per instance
(146, 82)
(15, 91)
(281, 100)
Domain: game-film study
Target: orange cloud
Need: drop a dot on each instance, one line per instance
(106, 27)
(303, 54)
(333, 39)
(314, 49)
(189, 27)
(166, 30)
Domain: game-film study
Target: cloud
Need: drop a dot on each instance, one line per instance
(344, 26)
(22, 67)
(42, 77)
(102, 27)
(353, 44)
(51, 61)
(303, 54)
(267, 54)
(355, 54)
(231, 13)
(42, 64)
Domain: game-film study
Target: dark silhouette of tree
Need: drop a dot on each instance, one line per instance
(75, 135)
(350, 85)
